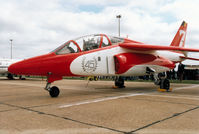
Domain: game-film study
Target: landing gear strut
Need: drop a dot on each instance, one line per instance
(119, 82)
(53, 91)
(161, 79)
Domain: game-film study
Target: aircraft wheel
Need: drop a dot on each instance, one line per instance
(54, 91)
(119, 82)
(165, 84)
(10, 77)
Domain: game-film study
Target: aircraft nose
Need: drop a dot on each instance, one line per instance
(15, 68)
(31, 66)
(25, 67)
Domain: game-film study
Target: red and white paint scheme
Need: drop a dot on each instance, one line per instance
(102, 55)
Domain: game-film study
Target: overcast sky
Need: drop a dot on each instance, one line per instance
(39, 26)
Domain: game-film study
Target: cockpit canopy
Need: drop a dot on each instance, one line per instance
(87, 43)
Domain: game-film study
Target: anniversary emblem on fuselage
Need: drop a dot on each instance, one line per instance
(89, 65)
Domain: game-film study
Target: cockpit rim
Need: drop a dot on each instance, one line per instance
(79, 49)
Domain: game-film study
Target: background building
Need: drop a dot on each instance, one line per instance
(191, 72)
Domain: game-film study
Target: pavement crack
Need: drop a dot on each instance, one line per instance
(171, 102)
(159, 121)
(8, 110)
(17, 108)
(66, 118)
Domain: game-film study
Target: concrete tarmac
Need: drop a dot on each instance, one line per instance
(25, 107)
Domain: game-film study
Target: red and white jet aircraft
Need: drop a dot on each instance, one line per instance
(102, 55)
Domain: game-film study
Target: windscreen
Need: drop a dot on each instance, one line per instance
(87, 43)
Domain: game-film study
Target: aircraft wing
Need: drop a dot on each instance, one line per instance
(145, 47)
(189, 58)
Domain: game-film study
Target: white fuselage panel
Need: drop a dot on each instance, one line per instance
(101, 63)
(5, 63)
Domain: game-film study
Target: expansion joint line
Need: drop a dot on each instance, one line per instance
(99, 126)
(159, 121)
(65, 118)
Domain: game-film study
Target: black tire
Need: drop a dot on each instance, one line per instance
(10, 77)
(119, 82)
(54, 91)
(165, 84)
(90, 79)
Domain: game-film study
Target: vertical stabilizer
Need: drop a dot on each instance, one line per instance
(179, 39)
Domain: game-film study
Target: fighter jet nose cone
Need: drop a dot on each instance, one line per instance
(19, 68)
(13, 68)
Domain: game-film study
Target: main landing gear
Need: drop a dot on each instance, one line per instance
(162, 81)
(53, 91)
(165, 84)
(119, 82)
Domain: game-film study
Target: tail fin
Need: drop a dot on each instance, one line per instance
(179, 39)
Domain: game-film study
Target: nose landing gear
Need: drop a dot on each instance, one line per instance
(53, 91)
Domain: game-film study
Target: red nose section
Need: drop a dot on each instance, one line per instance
(14, 68)
(56, 65)
(32, 66)
(25, 67)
